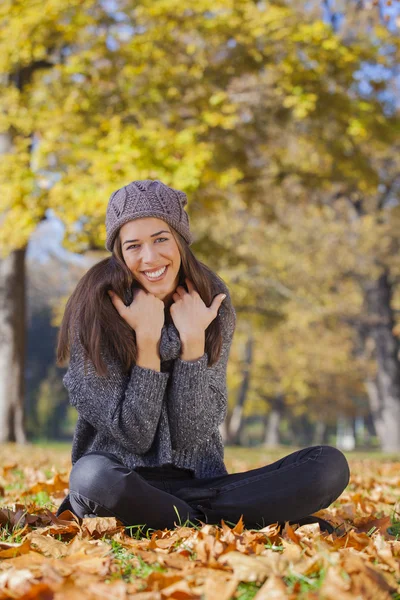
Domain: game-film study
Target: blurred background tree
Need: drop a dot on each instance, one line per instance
(281, 123)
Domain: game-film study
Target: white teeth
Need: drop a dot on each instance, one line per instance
(155, 274)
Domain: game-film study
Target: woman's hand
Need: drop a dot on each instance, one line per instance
(145, 314)
(190, 315)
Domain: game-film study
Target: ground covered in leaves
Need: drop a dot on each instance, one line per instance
(45, 557)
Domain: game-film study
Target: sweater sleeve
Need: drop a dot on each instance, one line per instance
(197, 398)
(126, 407)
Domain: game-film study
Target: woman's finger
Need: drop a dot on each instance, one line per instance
(190, 285)
(180, 290)
(117, 302)
(216, 303)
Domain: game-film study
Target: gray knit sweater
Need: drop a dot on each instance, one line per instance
(151, 418)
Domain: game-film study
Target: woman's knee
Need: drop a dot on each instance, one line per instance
(93, 474)
(334, 473)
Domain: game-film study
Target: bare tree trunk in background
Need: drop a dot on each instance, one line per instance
(376, 406)
(319, 433)
(271, 436)
(12, 303)
(233, 427)
(12, 347)
(386, 396)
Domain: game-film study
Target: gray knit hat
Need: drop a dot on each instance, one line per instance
(146, 198)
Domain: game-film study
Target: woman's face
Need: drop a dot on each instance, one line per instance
(148, 246)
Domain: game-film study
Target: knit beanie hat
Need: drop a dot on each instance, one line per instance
(146, 198)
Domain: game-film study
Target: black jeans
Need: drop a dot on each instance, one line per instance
(289, 489)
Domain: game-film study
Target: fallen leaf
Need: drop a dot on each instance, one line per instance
(10, 550)
(47, 545)
(273, 589)
(98, 526)
(247, 568)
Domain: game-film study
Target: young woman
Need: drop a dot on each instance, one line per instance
(148, 332)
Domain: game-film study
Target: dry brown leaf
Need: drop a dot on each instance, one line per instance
(336, 585)
(179, 590)
(384, 551)
(290, 534)
(38, 591)
(273, 589)
(10, 550)
(247, 568)
(227, 533)
(158, 581)
(271, 531)
(367, 581)
(218, 588)
(359, 541)
(115, 590)
(56, 487)
(306, 531)
(145, 596)
(9, 467)
(31, 560)
(16, 582)
(47, 545)
(66, 523)
(239, 526)
(365, 524)
(97, 526)
(291, 552)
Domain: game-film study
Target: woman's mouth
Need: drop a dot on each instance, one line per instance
(155, 275)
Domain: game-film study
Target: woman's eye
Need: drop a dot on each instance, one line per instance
(137, 245)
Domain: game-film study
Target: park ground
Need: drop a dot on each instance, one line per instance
(44, 557)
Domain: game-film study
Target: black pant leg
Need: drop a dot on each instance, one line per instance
(289, 489)
(100, 484)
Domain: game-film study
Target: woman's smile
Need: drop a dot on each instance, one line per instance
(156, 275)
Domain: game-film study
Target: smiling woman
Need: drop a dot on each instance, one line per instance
(147, 228)
(149, 331)
(154, 259)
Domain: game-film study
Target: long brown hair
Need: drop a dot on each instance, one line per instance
(90, 314)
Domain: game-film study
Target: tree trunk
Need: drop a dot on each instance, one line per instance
(319, 433)
(376, 406)
(235, 426)
(378, 297)
(12, 347)
(272, 436)
(345, 439)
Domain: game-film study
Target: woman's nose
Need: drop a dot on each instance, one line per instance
(149, 254)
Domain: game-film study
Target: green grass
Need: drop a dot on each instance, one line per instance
(394, 528)
(255, 455)
(52, 444)
(41, 499)
(260, 454)
(10, 534)
(246, 590)
(304, 584)
(271, 546)
(130, 566)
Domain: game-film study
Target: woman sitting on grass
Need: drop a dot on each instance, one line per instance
(148, 332)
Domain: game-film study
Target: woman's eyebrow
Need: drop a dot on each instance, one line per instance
(152, 235)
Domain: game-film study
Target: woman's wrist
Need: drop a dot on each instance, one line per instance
(148, 352)
(193, 346)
